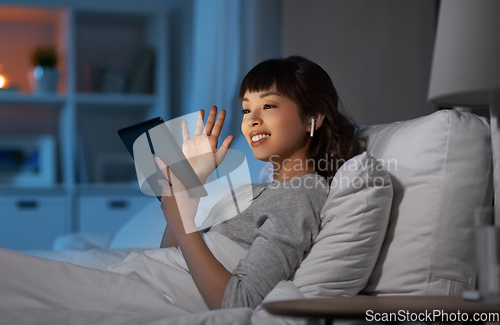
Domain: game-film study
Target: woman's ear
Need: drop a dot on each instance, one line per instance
(318, 120)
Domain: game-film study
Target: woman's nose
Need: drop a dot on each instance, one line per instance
(254, 119)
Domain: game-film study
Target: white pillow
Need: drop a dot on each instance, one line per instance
(353, 225)
(82, 241)
(443, 172)
(144, 230)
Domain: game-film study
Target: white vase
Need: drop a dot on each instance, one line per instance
(45, 79)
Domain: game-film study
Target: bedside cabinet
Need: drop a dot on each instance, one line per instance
(393, 309)
(32, 221)
(108, 213)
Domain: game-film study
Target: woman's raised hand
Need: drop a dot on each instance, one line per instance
(201, 150)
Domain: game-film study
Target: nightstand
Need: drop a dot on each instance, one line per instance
(389, 308)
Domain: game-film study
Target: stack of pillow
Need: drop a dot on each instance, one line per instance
(440, 168)
(353, 225)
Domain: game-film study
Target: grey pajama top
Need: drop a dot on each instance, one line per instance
(277, 229)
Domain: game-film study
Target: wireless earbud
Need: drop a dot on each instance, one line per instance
(312, 126)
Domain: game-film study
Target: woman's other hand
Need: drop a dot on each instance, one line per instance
(178, 207)
(209, 275)
(201, 150)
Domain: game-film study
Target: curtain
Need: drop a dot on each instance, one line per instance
(229, 38)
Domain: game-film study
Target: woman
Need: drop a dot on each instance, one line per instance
(291, 119)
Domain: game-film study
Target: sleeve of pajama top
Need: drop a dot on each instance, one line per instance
(286, 222)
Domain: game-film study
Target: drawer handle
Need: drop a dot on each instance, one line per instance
(118, 204)
(27, 204)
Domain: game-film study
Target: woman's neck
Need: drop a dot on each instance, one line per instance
(292, 168)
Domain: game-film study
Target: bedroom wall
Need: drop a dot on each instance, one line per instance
(378, 53)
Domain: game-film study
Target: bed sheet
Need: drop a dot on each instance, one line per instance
(94, 258)
(136, 299)
(283, 291)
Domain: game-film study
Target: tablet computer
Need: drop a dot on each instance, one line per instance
(152, 138)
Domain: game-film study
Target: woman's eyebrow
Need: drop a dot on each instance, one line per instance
(270, 93)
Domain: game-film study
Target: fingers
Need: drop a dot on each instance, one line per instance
(211, 119)
(227, 142)
(221, 153)
(172, 179)
(199, 123)
(164, 183)
(166, 187)
(162, 166)
(185, 130)
(211, 128)
(219, 123)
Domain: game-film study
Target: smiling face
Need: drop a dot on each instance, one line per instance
(273, 128)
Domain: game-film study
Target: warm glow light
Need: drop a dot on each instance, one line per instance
(2, 78)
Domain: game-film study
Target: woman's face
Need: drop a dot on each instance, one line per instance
(270, 114)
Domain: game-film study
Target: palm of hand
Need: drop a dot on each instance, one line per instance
(201, 150)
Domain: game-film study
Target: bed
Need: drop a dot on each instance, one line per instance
(392, 229)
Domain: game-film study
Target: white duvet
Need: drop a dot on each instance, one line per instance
(148, 287)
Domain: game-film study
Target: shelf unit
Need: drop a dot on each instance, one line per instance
(114, 73)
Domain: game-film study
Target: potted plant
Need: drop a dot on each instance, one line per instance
(45, 74)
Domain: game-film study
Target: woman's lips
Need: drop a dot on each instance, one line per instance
(256, 143)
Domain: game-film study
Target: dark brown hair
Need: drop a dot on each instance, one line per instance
(311, 88)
